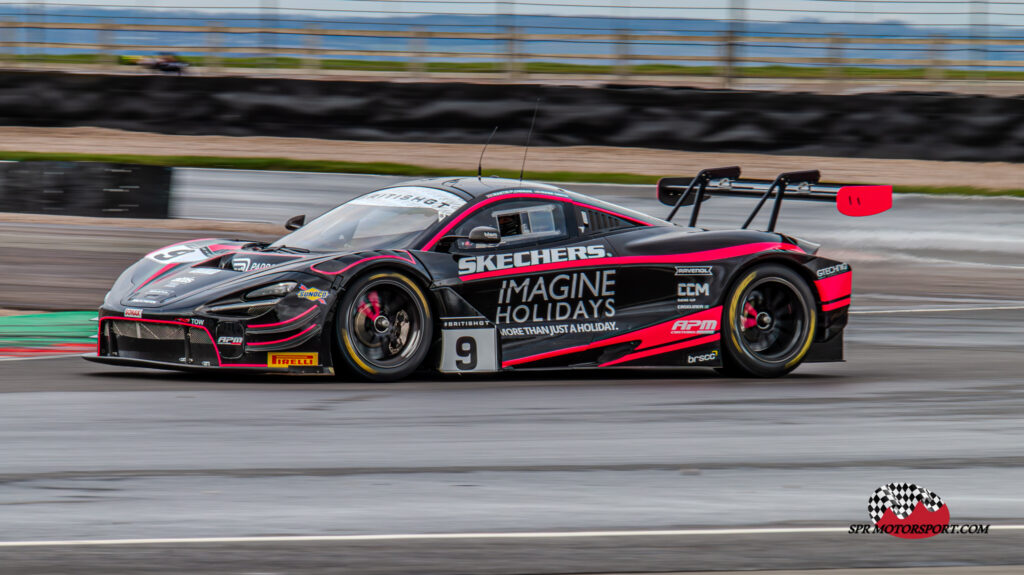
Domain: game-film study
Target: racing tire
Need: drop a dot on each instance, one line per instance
(384, 327)
(769, 323)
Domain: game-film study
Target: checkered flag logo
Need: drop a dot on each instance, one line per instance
(901, 498)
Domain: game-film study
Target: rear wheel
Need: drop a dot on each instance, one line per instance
(769, 322)
(384, 326)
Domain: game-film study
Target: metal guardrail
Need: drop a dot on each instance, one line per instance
(973, 44)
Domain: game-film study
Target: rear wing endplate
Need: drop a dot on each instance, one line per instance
(854, 201)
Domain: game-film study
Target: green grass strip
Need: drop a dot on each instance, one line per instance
(46, 329)
(387, 168)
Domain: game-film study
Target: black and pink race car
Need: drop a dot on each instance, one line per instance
(471, 275)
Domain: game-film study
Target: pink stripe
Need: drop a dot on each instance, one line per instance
(835, 287)
(709, 255)
(649, 337)
(665, 349)
(491, 200)
(154, 276)
(409, 259)
(163, 321)
(296, 318)
(836, 304)
(285, 339)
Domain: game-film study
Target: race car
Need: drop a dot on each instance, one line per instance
(474, 275)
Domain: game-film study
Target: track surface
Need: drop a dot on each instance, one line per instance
(932, 397)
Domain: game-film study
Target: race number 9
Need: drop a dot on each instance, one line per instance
(465, 347)
(465, 350)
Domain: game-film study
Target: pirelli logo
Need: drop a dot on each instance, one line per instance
(292, 359)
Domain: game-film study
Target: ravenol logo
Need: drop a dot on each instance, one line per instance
(694, 326)
(292, 359)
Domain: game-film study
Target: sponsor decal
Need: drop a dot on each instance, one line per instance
(204, 271)
(702, 358)
(693, 295)
(313, 294)
(142, 300)
(694, 326)
(694, 271)
(180, 281)
(909, 511)
(247, 265)
(577, 296)
(558, 329)
(226, 340)
(464, 322)
(159, 292)
(691, 289)
(833, 270)
(492, 262)
(132, 312)
(444, 203)
(192, 320)
(524, 191)
(292, 359)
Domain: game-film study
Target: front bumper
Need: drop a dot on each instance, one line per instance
(153, 364)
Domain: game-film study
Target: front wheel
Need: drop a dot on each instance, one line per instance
(384, 326)
(769, 322)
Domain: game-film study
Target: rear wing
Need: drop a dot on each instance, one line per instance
(850, 200)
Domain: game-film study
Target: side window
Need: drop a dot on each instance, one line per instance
(520, 222)
(592, 221)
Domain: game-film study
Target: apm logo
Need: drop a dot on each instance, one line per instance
(694, 326)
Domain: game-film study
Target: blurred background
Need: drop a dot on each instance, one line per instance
(932, 40)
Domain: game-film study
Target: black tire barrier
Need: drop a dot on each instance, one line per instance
(85, 189)
(933, 126)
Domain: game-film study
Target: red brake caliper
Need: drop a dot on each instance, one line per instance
(366, 310)
(749, 316)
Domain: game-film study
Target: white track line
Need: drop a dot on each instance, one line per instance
(936, 310)
(58, 356)
(445, 536)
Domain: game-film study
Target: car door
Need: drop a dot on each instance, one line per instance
(537, 285)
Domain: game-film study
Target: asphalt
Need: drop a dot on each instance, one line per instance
(931, 394)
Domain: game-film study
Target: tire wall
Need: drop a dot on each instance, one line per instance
(932, 126)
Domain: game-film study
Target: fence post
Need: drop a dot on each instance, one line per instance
(213, 41)
(623, 65)
(107, 56)
(312, 44)
(416, 66)
(737, 12)
(7, 55)
(837, 67)
(937, 68)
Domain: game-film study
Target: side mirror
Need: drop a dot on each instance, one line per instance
(484, 235)
(295, 223)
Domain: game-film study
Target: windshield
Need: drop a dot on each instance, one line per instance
(385, 219)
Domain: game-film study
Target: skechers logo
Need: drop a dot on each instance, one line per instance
(477, 264)
(694, 326)
(834, 270)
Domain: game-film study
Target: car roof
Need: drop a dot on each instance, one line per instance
(472, 188)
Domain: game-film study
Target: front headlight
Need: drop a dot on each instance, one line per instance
(272, 290)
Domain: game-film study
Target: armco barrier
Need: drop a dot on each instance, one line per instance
(933, 126)
(85, 189)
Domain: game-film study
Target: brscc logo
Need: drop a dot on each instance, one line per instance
(908, 511)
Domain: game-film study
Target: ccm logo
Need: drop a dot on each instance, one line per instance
(688, 326)
(693, 289)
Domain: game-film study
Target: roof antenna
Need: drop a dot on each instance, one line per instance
(530, 134)
(480, 164)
